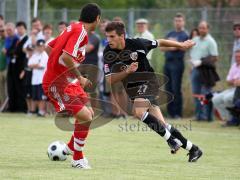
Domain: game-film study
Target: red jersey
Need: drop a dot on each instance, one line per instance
(72, 41)
(60, 85)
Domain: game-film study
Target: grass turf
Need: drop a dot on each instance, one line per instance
(118, 150)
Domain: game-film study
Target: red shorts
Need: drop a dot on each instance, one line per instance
(66, 96)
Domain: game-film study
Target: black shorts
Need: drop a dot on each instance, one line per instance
(37, 93)
(28, 89)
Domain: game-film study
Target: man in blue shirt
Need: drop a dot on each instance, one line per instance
(174, 66)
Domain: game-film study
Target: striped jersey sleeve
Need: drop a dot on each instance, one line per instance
(76, 40)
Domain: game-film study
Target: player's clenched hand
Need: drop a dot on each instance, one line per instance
(84, 82)
(187, 44)
(132, 68)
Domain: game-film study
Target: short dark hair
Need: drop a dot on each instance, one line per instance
(21, 23)
(90, 12)
(117, 26)
(35, 20)
(47, 26)
(179, 15)
(63, 23)
(1, 17)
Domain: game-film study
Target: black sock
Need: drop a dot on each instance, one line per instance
(186, 144)
(155, 125)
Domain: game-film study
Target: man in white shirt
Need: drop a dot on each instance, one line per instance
(143, 32)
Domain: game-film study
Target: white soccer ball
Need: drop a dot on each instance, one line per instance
(55, 151)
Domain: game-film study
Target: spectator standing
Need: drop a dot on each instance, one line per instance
(174, 67)
(48, 33)
(203, 55)
(10, 45)
(142, 26)
(38, 64)
(3, 67)
(28, 79)
(31, 40)
(37, 24)
(62, 26)
(16, 69)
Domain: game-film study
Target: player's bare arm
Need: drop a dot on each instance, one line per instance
(174, 44)
(67, 59)
(117, 77)
(164, 49)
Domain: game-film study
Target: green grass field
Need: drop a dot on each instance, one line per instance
(116, 151)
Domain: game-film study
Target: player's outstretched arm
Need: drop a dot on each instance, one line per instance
(117, 77)
(175, 44)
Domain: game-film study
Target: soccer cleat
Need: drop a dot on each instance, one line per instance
(67, 150)
(194, 154)
(81, 164)
(174, 145)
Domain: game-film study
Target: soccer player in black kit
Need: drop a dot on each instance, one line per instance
(125, 61)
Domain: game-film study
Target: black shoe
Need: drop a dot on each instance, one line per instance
(174, 145)
(194, 154)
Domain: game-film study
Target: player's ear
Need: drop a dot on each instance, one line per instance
(98, 19)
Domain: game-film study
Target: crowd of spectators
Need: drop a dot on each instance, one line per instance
(23, 61)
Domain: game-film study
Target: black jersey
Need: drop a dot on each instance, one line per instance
(141, 82)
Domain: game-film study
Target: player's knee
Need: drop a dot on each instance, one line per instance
(139, 113)
(85, 116)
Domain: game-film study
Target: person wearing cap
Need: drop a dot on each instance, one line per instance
(174, 67)
(142, 26)
(236, 43)
(38, 64)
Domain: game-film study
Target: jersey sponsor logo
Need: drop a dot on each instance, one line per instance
(134, 56)
(106, 68)
(111, 56)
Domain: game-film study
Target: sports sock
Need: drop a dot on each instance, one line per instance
(71, 143)
(155, 125)
(80, 134)
(186, 144)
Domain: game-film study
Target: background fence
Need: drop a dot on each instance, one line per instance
(161, 21)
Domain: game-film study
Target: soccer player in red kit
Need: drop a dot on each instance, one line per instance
(64, 84)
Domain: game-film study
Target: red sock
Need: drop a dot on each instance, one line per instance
(80, 134)
(71, 143)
